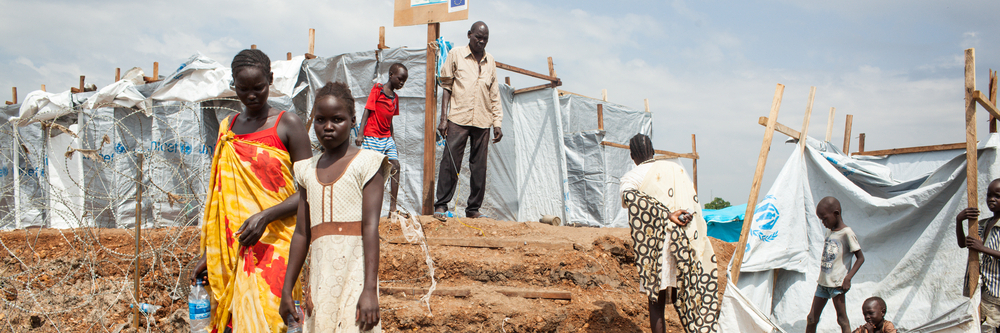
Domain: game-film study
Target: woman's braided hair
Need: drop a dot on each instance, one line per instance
(640, 147)
(338, 90)
(251, 58)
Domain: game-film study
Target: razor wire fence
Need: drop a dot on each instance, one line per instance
(74, 189)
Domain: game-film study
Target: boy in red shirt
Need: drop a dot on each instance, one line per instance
(377, 134)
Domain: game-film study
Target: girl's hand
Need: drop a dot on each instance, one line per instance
(252, 229)
(360, 140)
(287, 307)
(367, 312)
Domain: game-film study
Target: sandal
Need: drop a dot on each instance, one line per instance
(440, 216)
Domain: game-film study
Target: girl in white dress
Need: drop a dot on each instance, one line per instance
(341, 198)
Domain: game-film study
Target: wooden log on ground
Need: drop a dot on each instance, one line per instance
(545, 294)
(419, 291)
(493, 243)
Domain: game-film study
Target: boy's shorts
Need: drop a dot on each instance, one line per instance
(828, 292)
(385, 146)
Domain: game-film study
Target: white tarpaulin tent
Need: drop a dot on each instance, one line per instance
(902, 208)
(71, 160)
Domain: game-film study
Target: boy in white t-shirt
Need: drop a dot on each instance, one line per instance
(834, 278)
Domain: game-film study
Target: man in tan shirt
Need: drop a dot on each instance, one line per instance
(470, 105)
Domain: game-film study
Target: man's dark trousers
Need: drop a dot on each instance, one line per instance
(451, 162)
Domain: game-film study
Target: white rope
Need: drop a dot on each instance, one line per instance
(413, 231)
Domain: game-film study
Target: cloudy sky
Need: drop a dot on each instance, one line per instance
(707, 67)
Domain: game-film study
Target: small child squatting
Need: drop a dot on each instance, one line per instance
(874, 311)
(834, 279)
(987, 245)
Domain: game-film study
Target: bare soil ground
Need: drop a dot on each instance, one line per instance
(82, 280)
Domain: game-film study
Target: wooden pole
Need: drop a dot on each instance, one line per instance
(604, 94)
(861, 142)
(253, 46)
(971, 164)
(552, 68)
(138, 236)
(381, 38)
(43, 87)
(847, 134)
(600, 117)
(312, 41)
(758, 174)
(82, 78)
(694, 163)
(646, 102)
(506, 80)
(288, 56)
(805, 122)
(156, 71)
(118, 74)
(993, 99)
(13, 93)
(829, 125)
(433, 31)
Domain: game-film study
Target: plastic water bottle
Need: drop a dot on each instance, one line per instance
(146, 307)
(199, 307)
(293, 325)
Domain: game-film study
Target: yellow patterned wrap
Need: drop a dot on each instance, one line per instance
(246, 282)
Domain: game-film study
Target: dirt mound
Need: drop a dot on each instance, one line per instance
(492, 276)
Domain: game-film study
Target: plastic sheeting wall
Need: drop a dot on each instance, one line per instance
(550, 160)
(906, 228)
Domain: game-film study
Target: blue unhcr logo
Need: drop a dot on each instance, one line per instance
(764, 218)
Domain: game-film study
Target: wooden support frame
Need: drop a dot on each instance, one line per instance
(253, 46)
(430, 127)
(829, 125)
(118, 74)
(381, 38)
(694, 163)
(604, 95)
(75, 90)
(156, 74)
(662, 153)
(311, 53)
(43, 87)
(645, 101)
(847, 134)
(971, 163)
(861, 143)
(805, 121)
(288, 56)
(13, 93)
(910, 150)
(993, 99)
(765, 147)
(600, 117)
(553, 80)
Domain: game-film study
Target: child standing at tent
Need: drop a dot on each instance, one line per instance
(987, 244)
(874, 311)
(340, 200)
(377, 134)
(834, 278)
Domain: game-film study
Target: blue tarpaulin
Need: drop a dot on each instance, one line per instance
(725, 224)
